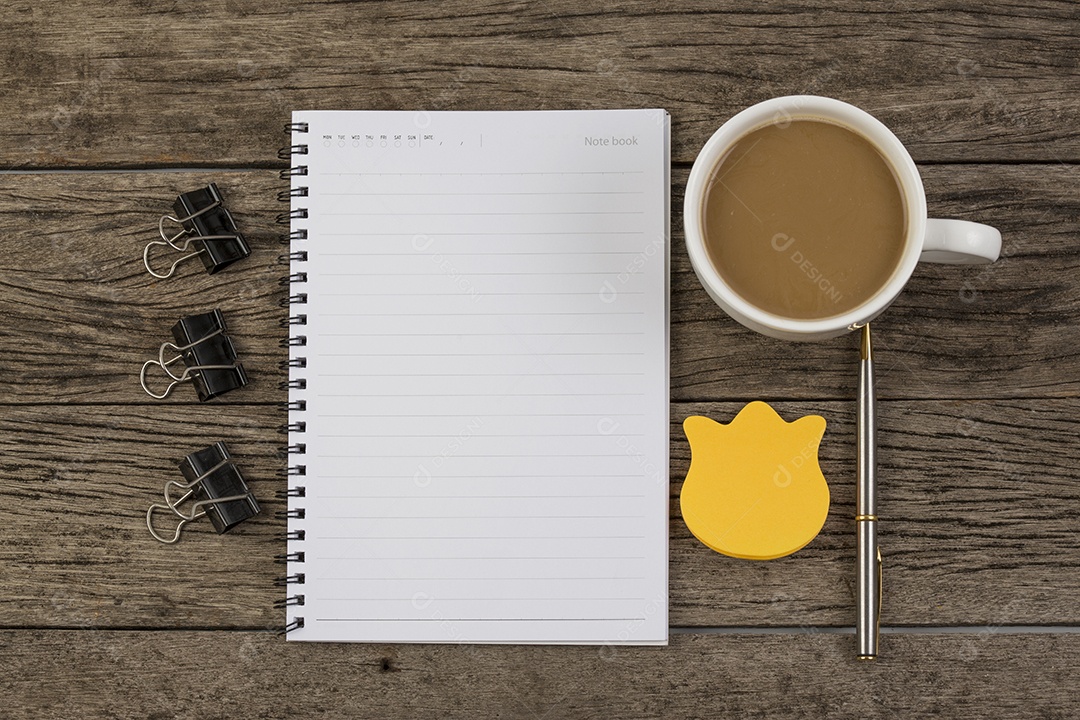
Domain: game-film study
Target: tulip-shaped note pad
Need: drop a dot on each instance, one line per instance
(754, 489)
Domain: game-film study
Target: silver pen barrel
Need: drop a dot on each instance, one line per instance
(869, 556)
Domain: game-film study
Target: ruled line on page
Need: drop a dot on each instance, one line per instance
(364, 193)
(386, 534)
(484, 557)
(482, 455)
(457, 295)
(466, 496)
(480, 620)
(546, 313)
(530, 476)
(486, 254)
(482, 375)
(475, 395)
(504, 233)
(472, 415)
(462, 174)
(444, 598)
(520, 354)
(468, 620)
(545, 213)
(589, 578)
(439, 273)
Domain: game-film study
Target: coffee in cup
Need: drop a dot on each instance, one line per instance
(804, 219)
(805, 216)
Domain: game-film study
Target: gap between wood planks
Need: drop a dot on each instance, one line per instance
(680, 401)
(262, 167)
(681, 630)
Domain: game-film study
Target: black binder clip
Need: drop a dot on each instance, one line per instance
(215, 488)
(208, 355)
(206, 225)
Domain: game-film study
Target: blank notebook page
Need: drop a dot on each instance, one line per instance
(484, 435)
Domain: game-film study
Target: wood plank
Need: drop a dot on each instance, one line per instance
(121, 675)
(1001, 330)
(210, 84)
(972, 494)
(973, 531)
(72, 248)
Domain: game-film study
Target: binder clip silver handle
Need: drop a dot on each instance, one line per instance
(178, 248)
(172, 268)
(180, 221)
(196, 512)
(180, 353)
(188, 373)
(171, 241)
(187, 376)
(189, 487)
(196, 508)
(180, 526)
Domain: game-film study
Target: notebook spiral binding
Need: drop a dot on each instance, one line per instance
(295, 342)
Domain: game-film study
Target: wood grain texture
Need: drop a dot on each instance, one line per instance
(974, 499)
(219, 676)
(82, 313)
(216, 81)
(77, 483)
(978, 367)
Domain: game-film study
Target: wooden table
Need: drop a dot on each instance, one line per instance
(112, 108)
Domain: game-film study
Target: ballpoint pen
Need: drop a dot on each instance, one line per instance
(867, 624)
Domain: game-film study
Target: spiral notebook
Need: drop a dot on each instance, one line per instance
(478, 377)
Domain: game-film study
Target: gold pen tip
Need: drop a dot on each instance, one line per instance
(866, 352)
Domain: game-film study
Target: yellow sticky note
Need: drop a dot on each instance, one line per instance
(755, 489)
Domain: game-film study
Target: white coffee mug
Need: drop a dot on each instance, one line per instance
(938, 241)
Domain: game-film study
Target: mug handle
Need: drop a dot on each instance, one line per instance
(959, 242)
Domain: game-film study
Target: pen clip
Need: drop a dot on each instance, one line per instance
(880, 595)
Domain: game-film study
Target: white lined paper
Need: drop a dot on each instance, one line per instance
(486, 422)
